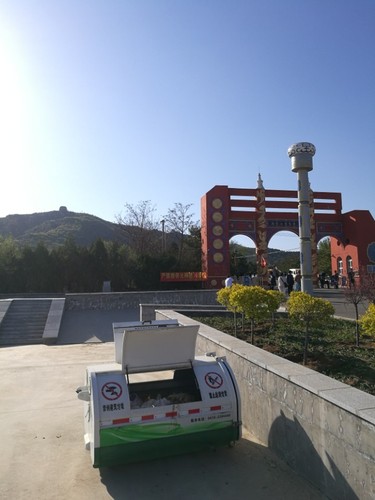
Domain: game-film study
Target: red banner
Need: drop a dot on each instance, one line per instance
(184, 276)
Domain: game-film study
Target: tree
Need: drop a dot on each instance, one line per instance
(324, 256)
(140, 227)
(36, 269)
(146, 272)
(239, 259)
(118, 265)
(312, 311)
(253, 301)
(179, 219)
(99, 263)
(192, 255)
(73, 266)
(355, 295)
(9, 264)
(223, 297)
(368, 286)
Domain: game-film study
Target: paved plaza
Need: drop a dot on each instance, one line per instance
(43, 456)
(41, 432)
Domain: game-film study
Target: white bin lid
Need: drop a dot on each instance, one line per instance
(153, 349)
(119, 330)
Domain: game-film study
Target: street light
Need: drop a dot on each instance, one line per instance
(163, 245)
(301, 155)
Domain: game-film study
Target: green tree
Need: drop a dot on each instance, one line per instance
(118, 265)
(324, 256)
(9, 265)
(74, 267)
(311, 311)
(192, 253)
(146, 272)
(42, 269)
(99, 264)
(36, 269)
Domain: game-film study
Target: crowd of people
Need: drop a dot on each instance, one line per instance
(336, 280)
(291, 281)
(284, 282)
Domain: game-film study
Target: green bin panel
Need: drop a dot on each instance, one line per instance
(136, 443)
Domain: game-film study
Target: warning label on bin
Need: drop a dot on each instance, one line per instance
(111, 391)
(213, 380)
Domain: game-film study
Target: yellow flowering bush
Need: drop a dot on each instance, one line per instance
(309, 310)
(367, 321)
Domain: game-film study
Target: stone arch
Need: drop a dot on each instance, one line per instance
(243, 263)
(285, 234)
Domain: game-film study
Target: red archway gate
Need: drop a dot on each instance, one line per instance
(261, 213)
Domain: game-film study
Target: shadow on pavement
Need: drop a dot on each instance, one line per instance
(248, 470)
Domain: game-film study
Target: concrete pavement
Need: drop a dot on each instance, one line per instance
(343, 309)
(43, 457)
(41, 431)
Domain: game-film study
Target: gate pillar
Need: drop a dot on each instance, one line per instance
(261, 243)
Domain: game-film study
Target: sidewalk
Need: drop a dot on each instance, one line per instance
(43, 456)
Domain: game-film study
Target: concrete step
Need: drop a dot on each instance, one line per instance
(24, 322)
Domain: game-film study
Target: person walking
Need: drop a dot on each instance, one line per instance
(297, 281)
(290, 282)
(351, 278)
(282, 284)
(335, 279)
(272, 281)
(229, 281)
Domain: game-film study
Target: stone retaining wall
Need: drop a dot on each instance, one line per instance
(132, 300)
(324, 429)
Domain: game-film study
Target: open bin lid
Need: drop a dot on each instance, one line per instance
(160, 348)
(119, 331)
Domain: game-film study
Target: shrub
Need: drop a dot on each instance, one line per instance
(309, 310)
(367, 321)
(253, 302)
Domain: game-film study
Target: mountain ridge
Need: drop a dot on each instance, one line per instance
(53, 228)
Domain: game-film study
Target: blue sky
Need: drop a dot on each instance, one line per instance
(109, 102)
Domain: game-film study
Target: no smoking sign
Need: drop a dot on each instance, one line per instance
(213, 380)
(111, 391)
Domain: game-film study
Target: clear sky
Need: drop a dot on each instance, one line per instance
(107, 102)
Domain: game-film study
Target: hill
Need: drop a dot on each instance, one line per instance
(53, 228)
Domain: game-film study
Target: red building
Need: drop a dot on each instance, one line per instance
(356, 249)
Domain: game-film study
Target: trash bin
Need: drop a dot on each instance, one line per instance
(158, 398)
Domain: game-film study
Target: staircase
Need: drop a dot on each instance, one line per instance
(24, 322)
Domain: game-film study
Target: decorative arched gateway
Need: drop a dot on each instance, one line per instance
(261, 213)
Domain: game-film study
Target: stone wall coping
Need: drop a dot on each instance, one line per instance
(53, 323)
(4, 305)
(342, 395)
